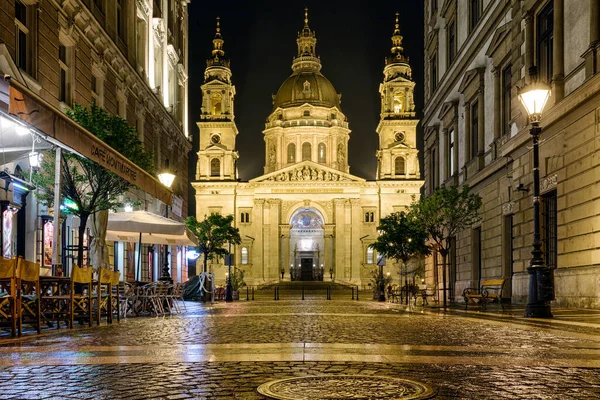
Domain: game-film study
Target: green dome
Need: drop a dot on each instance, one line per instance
(306, 87)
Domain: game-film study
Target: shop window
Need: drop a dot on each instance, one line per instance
(550, 229)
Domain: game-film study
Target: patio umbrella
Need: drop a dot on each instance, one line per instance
(98, 249)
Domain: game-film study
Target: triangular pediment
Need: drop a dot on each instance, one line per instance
(307, 171)
(498, 38)
(216, 146)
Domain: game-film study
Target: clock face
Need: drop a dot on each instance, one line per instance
(399, 136)
(215, 139)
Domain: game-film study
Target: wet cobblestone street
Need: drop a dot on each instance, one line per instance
(226, 351)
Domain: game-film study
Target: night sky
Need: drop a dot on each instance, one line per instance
(353, 38)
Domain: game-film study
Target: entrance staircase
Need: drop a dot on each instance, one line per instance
(310, 290)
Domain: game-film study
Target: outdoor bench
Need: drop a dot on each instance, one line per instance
(490, 291)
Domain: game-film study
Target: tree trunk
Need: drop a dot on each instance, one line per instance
(444, 256)
(82, 223)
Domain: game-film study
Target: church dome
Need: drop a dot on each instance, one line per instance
(306, 86)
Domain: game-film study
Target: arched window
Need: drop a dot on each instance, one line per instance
(216, 108)
(291, 157)
(397, 103)
(370, 255)
(399, 167)
(306, 112)
(215, 167)
(306, 150)
(322, 153)
(244, 255)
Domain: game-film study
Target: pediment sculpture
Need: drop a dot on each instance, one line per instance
(306, 173)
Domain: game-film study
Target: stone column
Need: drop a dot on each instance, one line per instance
(356, 255)
(258, 255)
(481, 122)
(468, 133)
(272, 224)
(592, 56)
(558, 63)
(529, 56)
(340, 224)
(497, 105)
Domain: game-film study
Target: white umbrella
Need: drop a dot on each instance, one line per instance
(144, 222)
(185, 239)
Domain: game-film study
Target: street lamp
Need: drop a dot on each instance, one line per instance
(229, 288)
(166, 178)
(541, 279)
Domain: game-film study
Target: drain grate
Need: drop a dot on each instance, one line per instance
(337, 387)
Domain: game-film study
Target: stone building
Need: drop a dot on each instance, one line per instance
(478, 53)
(127, 56)
(306, 217)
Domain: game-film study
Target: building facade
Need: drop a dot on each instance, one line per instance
(306, 218)
(127, 56)
(478, 54)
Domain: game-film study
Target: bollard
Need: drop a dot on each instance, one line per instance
(352, 292)
(247, 290)
(253, 293)
(302, 292)
(357, 293)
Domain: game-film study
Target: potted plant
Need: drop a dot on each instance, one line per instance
(237, 282)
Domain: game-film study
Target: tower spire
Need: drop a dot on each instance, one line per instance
(397, 51)
(218, 54)
(307, 52)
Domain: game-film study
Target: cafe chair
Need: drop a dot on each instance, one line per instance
(104, 295)
(28, 285)
(116, 295)
(81, 302)
(9, 304)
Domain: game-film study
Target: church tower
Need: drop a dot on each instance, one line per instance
(397, 157)
(217, 158)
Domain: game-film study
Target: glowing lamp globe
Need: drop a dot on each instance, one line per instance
(166, 178)
(534, 98)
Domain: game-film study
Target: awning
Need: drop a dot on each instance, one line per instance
(127, 226)
(19, 101)
(185, 239)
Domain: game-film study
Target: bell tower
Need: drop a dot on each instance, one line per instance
(217, 158)
(397, 157)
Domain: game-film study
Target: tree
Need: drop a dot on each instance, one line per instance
(402, 237)
(213, 233)
(87, 187)
(444, 214)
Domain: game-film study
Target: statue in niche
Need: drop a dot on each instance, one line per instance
(306, 174)
(272, 154)
(341, 154)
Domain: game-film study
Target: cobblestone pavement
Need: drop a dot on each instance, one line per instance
(226, 351)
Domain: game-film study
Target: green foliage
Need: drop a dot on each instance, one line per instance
(446, 212)
(88, 185)
(237, 279)
(374, 279)
(401, 237)
(213, 233)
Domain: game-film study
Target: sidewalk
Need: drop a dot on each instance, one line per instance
(578, 320)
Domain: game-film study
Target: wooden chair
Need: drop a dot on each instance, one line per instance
(9, 305)
(81, 302)
(116, 294)
(104, 301)
(178, 296)
(28, 284)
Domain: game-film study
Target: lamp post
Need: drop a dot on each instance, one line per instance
(166, 178)
(541, 278)
(229, 288)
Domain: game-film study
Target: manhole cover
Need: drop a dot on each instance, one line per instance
(330, 387)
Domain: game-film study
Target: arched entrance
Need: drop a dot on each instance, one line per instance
(307, 244)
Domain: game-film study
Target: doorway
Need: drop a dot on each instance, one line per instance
(306, 269)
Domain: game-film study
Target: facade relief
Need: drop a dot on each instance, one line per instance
(306, 173)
